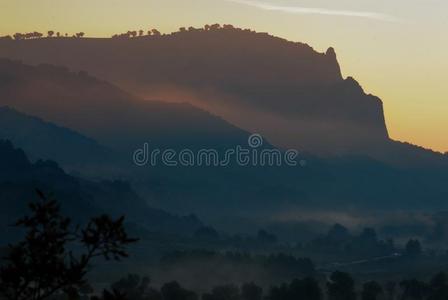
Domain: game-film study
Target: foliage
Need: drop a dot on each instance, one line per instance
(45, 263)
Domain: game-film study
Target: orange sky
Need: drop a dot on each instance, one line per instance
(396, 49)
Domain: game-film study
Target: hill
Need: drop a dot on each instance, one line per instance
(79, 198)
(104, 112)
(284, 90)
(225, 195)
(43, 140)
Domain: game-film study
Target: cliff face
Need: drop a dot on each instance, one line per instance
(286, 91)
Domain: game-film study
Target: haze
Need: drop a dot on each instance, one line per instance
(396, 50)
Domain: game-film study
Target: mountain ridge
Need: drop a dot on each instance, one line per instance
(233, 69)
(46, 140)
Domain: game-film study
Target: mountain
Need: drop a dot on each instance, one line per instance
(43, 140)
(102, 111)
(123, 123)
(79, 198)
(360, 180)
(286, 91)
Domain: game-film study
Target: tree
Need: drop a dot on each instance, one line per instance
(223, 292)
(155, 32)
(413, 248)
(228, 26)
(215, 27)
(50, 33)
(114, 295)
(18, 36)
(265, 237)
(136, 288)
(413, 289)
(141, 32)
(44, 265)
(341, 287)
(439, 287)
(338, 233)
(371, 290)
(279, 292)
(251, 291)
(391, 287)
(206, 233)
(306, 289)
(173, 291)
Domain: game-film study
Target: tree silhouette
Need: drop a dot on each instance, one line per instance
(223, 292)
(50, 33)
(371, 290)
(413, 248)
(114, 295)
(18, 36)
(439, 287)
(136, 288)
(173, 291)
(413, 289)
(341, 287)
(44, 265)
(390, 288)
(307, 289)
(251, 291)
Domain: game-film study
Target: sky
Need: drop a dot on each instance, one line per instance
(397, 49)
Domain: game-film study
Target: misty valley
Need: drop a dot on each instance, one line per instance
(212, 163)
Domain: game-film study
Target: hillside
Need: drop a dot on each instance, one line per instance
(363, 179)
(247, 78)
(104, 112)
(79, 198)
(43, 140)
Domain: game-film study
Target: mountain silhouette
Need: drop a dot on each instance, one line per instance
(106, 113)
(287, 91)
(43, 140)
(80, 198)
(374, 172)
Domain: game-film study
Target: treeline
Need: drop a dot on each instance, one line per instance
(339, 286)
(156, 33)
(44, 265)
(340, 242)
(152, 32)
(39, 35)
(276, 265)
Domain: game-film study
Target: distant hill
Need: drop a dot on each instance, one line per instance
(123, 123)
(43, 140)
(287, 91)
(106, 113)
(79, 198)
(366, 177)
